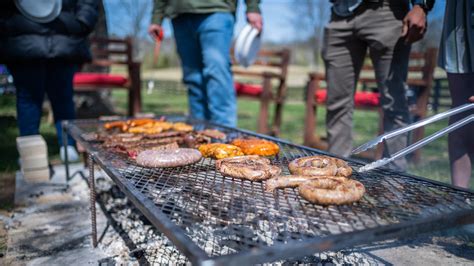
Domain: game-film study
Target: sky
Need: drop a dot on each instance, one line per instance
(278, 16)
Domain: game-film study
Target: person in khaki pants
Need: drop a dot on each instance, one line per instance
(386, 28)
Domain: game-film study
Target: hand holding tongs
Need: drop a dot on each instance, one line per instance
(419, 144)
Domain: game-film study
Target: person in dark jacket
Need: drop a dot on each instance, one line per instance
(43, 57)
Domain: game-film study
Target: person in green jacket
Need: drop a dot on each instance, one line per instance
(203, 31)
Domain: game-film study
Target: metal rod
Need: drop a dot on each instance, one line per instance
(92, 200)
(423, 122)
(66, 159)
(429, 120)
(417, 145)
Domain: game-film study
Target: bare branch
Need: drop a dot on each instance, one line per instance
(310, 16)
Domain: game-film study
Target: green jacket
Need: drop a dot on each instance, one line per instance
(172, 8)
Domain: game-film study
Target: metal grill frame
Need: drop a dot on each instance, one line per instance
(275, 252)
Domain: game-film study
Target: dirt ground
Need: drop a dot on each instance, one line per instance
(7, 197)
(7, 190)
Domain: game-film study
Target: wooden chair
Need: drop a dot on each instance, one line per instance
(107, 52)
(420, 78)
(270, 67)
(441, 97)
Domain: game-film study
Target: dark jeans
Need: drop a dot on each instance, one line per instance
(32, 81)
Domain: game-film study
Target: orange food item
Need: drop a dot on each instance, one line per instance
(182, 127)
(147, 126)
(220, 150)
(115, 124)
(162, 124)
(257, 147)
(141, 121)
(145, 130)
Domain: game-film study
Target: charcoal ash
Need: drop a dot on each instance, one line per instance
(143, 243)
(217, 235)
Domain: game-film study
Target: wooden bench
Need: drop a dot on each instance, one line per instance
(107, 52)
(420, 79)
(267, 84)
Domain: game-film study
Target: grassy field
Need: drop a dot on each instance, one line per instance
(434, 156)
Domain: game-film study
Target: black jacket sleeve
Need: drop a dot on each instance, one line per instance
(87, 14)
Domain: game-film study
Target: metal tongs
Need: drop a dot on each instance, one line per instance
(372, 143)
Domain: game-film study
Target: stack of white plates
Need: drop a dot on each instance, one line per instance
(247, 46)
(33, 158)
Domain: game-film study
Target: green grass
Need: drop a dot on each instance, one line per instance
(8, 125)
(434, 162)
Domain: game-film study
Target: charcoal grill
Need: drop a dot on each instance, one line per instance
(225, 221)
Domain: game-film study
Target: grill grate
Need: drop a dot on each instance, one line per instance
(217, 218)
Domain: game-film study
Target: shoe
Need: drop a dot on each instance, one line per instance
(72, 154)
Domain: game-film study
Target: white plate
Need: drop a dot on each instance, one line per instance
(42, 11)
(239, 43)
(251, 48)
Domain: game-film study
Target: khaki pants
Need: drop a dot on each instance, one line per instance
(376, 27)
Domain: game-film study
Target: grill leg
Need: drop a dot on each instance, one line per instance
(66, 159)
(92, 200)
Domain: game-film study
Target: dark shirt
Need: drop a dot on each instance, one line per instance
(345, 8)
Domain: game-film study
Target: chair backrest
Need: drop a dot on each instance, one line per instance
(269, 62)
(269, 66)
(420, 70)
(105, 53)
(110, 51)
(441, 97)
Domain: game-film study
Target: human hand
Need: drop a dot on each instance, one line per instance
(414, 25)
(255, 20)
(155, 31)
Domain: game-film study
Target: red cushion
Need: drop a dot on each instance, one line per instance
(366, 98)
(248, 89)
(361, 98)
(83, 78)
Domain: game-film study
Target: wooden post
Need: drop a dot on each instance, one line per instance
(423, 98)
(265, 99)
(310, 117)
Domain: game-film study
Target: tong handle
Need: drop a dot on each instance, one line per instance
(418, 144)
(373, 142)
(429, 120)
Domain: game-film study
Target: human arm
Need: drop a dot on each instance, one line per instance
(87, 14)
(415, 23)
(253, 14)
(155, 30)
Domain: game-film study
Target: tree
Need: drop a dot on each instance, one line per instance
(309, 19)
(136, 22)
